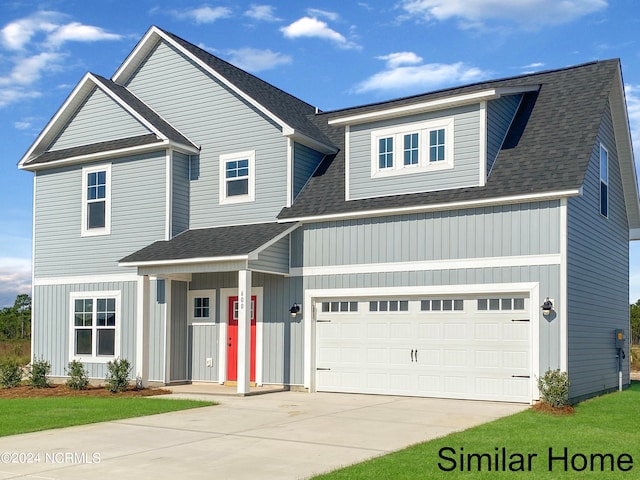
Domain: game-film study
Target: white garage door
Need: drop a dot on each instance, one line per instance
(472, 348)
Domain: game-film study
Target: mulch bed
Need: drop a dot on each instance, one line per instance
(543, 407)
(24, 391)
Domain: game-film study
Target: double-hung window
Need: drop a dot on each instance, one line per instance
(95, 319)
(604, 182)
(412, 148)
(237, 177)
(96, 200)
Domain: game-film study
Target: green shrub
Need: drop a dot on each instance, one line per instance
(554, 388)
(78, 376)
(10, 373)
(118, 375)
(38, 374)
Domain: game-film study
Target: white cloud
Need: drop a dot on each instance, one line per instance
(255, 60)
(529, 13)
(15, 278)
(29, 70)
(15, 35)
(632, 94)
(263, 13)
(401, 58)
(421, 77)
(204, 14)
(314, 28)
(15, 94)
(316, 12)
(76, 32)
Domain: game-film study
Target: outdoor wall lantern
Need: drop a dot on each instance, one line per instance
(547, 307)
(294, 310)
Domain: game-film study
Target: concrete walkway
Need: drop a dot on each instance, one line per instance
(285, 435)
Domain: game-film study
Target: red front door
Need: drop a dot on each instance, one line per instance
(232, 344)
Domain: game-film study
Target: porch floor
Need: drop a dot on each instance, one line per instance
(206, 388)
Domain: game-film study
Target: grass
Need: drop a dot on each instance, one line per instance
(22, 415)
(603, 425)
(16, 349)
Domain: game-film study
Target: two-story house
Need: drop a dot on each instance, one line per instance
(209, 227)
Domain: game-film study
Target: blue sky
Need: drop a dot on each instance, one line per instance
(330, 54)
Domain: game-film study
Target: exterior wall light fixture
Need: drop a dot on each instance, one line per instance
(294, 310)
(547, 307)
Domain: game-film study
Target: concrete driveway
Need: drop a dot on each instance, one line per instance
(285, 435)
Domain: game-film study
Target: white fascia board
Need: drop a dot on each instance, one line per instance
(439, 104)
(311, 142)
(254, 254)
(152, 37)
(535, 197)
(184, 261)
(64, 113)
(100, 156)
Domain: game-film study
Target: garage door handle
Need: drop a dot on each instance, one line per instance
(412, 355)
(416, 354)
(520, 376)
(323, 369)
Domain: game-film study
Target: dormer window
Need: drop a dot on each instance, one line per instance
(412, 148)
(237, 177)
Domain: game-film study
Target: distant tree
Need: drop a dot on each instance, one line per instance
(15, 321)
(635, 322)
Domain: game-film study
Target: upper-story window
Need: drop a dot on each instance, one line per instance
(96, 200)
(411, 148)
(604, 182)
(237, 177)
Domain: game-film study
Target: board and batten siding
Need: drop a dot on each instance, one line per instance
(216, 119)
(500, 114)
(305, 162)
(598, 276)
(99, 119)
(157, 329)
(137, 217)
(51, 324)
(274, 258)
(180, 193)
(508, 230)
(465, 172)
(283, 337)
(203, 344)
(179, 332)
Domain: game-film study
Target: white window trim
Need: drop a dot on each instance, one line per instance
(602, 147)
(250, 196)
(73, 296)
(424, 165)
(193, 294)
(106, 230)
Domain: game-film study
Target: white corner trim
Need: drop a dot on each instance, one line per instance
(563, 313)
(483, 144)
(290, 167)
(430, 265)
(168, 227)
(347, 160)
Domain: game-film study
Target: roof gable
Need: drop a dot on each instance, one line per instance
(141, 126)
(292, 114)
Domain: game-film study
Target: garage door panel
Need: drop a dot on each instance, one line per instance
(451, 354)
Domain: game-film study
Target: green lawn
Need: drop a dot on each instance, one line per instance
(605, 428)
(33, 414)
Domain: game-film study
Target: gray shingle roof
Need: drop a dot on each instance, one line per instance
(547, 149)
(210, 243)
(295, 112)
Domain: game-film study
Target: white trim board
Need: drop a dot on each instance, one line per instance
(430, 265)
(83, 279)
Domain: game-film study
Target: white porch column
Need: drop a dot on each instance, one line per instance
(142, 330)
(244, 330)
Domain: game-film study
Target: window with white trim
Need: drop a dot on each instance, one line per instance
(389, 306)
(604, 182)
(201, 309)
(96, 200)
(95, 323)
(411, 148)
(237, 177)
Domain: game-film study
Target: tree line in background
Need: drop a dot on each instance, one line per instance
(15, 321)
(635, 323)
